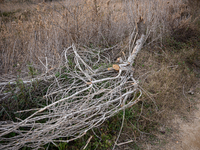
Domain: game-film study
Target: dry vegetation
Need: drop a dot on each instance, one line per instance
(42, 31)
(33, 41)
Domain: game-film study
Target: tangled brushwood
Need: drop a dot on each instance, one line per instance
(79, 98)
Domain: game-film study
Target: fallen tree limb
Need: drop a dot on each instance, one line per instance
(27, 81)
(82, 100)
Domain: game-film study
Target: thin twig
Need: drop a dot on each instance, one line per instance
(88, 141)
(125, 143)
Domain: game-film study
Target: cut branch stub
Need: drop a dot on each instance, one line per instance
(116, 67)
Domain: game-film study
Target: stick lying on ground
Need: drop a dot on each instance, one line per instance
(79, 99)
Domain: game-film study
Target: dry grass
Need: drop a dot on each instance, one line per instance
(30, 32)
(167, 83)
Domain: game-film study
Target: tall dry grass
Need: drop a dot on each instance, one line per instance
(35, 34)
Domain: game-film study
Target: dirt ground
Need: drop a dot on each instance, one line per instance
(186, 135)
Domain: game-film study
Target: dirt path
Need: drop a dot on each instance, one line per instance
(188, 135)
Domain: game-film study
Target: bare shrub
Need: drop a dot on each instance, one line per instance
(183, 21)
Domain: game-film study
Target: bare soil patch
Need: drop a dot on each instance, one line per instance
(184, 131)
(188, 136)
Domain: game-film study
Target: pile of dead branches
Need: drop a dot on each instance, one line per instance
(85, 92)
